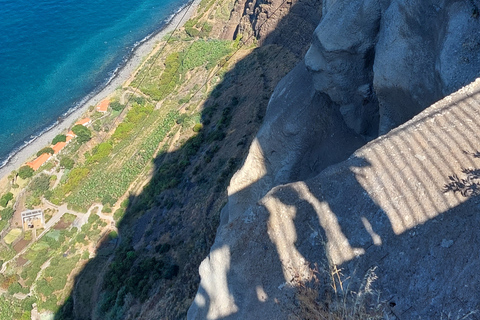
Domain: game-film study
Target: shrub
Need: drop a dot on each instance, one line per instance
(108, 199)
(197, 127)
(6, 199)
(83, 133)
(40, 184)
(25, 172)
(6, 213)
(116, 106)
(59, 138)
(119, 213)
(45, 150)
(67, 163)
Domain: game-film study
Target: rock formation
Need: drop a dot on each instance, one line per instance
(298, 200)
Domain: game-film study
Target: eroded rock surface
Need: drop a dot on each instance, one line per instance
(372, 66)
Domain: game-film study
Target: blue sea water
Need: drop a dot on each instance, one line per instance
(54, 53)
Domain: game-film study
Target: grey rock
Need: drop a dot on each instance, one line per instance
(372, 69)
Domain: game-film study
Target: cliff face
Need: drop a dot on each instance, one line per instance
(372, 66)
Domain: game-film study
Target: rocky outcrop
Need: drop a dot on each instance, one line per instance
(257, 20)
(383, 62)
(297, 201)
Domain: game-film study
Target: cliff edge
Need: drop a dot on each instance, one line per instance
(312, 199)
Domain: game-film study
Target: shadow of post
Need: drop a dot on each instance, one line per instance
(404, 206)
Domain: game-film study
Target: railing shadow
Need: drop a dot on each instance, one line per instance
(391, 206)
(405, 204)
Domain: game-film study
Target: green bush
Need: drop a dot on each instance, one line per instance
(122, 131)
(83, 133)
(108, 199)
(67, 163)
(119, 213)
(6, 199)
(116, 106)
(15, 288)
(59, 138)
(45, 150)
(197, 127)
(25, 172)
(40, 185)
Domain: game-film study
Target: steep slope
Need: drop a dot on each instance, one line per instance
(372, 66)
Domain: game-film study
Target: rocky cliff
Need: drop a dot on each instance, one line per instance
(403, 205)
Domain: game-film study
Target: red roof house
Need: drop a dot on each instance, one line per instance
(37, 163)
(103, 106)
(84, 122)
(59, 146)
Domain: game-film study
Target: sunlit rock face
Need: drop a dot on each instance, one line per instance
(297, 200)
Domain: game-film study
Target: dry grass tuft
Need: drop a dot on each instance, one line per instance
(323, 296)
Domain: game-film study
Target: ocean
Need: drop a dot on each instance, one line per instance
(56, 53)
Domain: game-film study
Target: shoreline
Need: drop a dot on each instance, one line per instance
(125, 72)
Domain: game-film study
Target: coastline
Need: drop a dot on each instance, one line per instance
(124, 74)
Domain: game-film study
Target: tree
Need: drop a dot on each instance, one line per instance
(83, 134)
(25, 172)
(6, 199)
(13, 177)
(59, 138)
(45, 150)
(67, 163)
(40, 184)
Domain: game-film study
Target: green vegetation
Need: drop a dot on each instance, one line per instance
(12, 235)
(40, 184)
(67, 163)
(27, 235)
(68, 217)
(158, 89)
(83, 133)
(5, 199)
(116, 106)
(158, 133)
(6, 213)
(94, 187)
(53, 280)
(45, 150)
(59, 138)
(74, 178)
(25, 172)
(197, 127)
(123, 278)
(205, 53)
(100, 152)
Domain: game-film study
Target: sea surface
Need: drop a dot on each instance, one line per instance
(55, 53)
